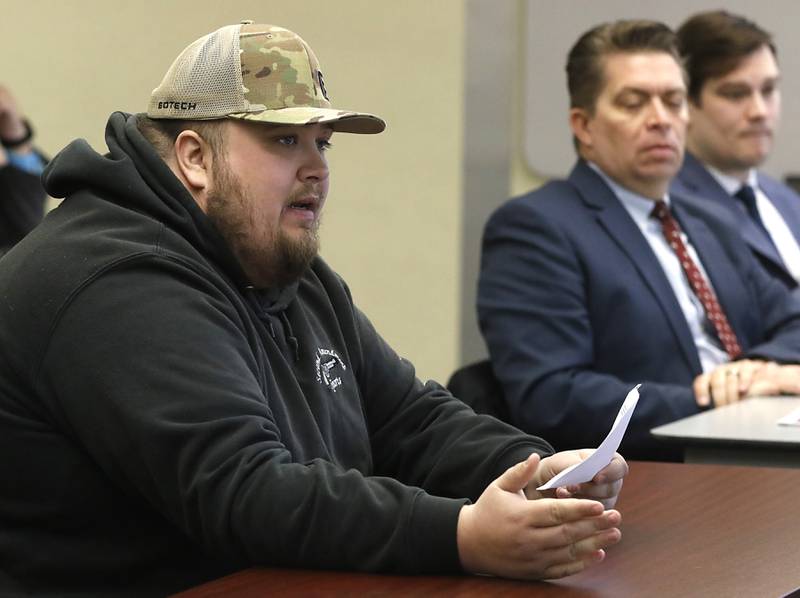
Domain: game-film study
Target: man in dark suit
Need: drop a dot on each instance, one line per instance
(595, 283)
(22, 197)
(734, 107)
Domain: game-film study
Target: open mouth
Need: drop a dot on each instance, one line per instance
(304, 210)
(309, 204)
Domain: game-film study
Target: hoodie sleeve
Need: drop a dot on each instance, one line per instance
(149, 370)
(424, 436)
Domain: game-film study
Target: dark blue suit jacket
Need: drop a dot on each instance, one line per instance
(576, 309)
(694, 179)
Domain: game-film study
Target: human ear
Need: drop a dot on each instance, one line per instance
(193, 159)
(579, 123)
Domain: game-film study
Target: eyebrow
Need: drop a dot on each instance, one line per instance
(641, 91)
(726, 84)
(272, 128)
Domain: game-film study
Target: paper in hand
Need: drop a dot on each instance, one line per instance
(588, 468)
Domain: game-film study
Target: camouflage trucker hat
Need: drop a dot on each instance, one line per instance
(252, 72)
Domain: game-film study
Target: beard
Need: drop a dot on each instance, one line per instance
(269, 257)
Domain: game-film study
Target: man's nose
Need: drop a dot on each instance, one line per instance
(315, 165)
(658, 115)
(757, 106)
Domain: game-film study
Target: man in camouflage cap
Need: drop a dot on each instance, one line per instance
(188, 388)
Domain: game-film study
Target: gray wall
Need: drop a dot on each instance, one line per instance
(552, 28)
(491, 59)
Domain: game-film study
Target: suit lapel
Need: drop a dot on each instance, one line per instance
(618, 224)
(697, 181)
(787, 203)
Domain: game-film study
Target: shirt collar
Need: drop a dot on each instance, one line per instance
(732, 184)
(639, 206)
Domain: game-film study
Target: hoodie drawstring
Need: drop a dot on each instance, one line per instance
(290, 337)
(266, 316)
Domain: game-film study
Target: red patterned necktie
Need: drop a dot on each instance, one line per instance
(714, 313)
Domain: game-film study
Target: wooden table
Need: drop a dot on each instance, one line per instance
(742, 433)
(687, 530)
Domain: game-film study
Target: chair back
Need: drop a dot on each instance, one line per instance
(476, 385)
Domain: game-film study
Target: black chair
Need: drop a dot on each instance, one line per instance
(476, 385)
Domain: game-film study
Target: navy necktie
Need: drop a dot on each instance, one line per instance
(747, 196)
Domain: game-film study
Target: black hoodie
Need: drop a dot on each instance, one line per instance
(162, 423)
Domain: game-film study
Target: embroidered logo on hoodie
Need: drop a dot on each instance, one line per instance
(328, 364)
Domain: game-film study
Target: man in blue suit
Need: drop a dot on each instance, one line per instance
(595, 283)
(734, 107)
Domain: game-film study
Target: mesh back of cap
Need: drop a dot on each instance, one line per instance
(204, 82)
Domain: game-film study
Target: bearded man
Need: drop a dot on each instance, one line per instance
(188, 389)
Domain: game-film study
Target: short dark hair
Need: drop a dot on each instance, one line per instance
(713, 44)
(162, 132)
(585, 72)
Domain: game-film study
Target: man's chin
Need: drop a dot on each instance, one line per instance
(660, 173)
(301, 234)
(282, 261)
(755, 158)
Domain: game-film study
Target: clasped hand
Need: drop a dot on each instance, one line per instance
(731, 382)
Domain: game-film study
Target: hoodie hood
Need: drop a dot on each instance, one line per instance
(132, 175)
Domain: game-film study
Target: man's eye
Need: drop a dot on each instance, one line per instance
(675, 102)
(288, 140)
(631, 105)
(324, 144)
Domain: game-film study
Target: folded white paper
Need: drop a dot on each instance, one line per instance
(588, 468)
(790, 419)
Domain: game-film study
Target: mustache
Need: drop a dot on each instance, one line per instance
(308, 189)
